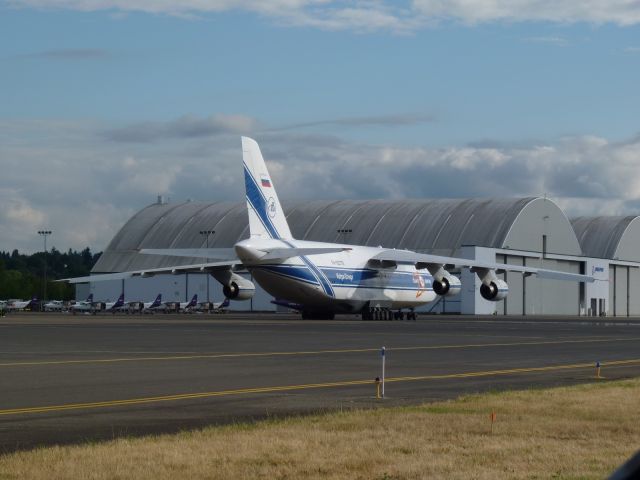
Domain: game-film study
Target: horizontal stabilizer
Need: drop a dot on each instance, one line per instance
(283, 253)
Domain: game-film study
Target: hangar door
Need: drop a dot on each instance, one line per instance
(534, 296)
(624, 284)
(619, 290)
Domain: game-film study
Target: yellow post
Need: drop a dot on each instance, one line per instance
(598, 370)
(377, 387)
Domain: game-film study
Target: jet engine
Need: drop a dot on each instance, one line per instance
(495, 290)
(234, 286)
(447, 285)
(233, 291)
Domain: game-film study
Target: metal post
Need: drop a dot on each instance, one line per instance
(382, 352)
(344, 232)
(44, 234)
(206, 234)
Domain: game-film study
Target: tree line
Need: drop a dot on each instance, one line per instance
(21, 276)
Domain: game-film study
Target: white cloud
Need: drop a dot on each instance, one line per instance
(69, 178)
(548, 40)
(150, 177)
(373, 15)
(18, 211)
(621, 12)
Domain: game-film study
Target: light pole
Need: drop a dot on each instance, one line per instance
(44, 234)
(206, 234)
(344, 232)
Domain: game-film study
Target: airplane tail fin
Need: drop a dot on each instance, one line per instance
(266, 217)
(225, 303)
(193, 301)
(157, 301)
(120, 301)
(90, 298)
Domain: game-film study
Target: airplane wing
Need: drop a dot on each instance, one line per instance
(212, 253)
(229, 253)
(199, 267)
(283, 253)
(388, 258)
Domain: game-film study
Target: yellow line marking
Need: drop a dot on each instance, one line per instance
(310, 352)
(286, 388)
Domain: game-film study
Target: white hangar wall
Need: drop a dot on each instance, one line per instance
(528, 231)
(616, 239)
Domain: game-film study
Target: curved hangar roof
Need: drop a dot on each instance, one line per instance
(609, 237)
(436, 226)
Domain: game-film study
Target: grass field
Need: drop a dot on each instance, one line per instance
(576, 432)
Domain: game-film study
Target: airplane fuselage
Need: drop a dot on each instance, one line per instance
(341, 281)
(81, 307)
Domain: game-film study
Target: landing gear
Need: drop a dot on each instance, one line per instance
(367, 313)
(379, 313)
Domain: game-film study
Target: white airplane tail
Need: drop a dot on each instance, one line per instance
(266, 218)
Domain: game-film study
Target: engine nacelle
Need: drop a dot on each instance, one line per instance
(447, 286)
(234, 286)
(495, 290)
(245, 291)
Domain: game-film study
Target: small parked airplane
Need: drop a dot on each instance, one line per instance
(83, 305)
(17, 305)
(111, 307)
(328, 278)
(146, 307)
(54, 306)
(220, 307)
(187, 306)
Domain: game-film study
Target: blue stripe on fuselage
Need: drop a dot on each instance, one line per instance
(350, 278)
(297, 272)
(259, 203)
(322, 279)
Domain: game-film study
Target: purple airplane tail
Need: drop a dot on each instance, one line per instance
(157, 301)
(193, 301)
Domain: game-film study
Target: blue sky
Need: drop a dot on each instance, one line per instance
(105, 104)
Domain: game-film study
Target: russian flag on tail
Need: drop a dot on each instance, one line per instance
(265, 182)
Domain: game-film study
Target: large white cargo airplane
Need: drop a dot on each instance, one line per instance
(328, 278)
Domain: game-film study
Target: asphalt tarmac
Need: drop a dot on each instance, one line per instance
(71, 379)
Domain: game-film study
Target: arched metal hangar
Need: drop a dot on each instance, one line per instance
(616, 238)
(530, 231)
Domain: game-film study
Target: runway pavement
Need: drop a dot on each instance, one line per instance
(76, 378)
